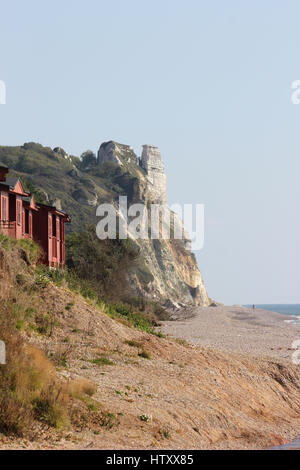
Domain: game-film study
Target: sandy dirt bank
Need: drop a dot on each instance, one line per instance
(211, 394)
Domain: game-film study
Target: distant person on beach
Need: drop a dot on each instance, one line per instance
(253, 306)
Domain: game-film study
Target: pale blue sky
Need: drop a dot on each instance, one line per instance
(208, 82)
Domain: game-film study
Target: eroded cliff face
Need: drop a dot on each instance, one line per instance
(167, 271)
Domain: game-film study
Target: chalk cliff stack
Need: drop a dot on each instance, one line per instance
(152, 163)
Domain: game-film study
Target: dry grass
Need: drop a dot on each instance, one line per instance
(29, 388)
(81, 386)
(102, 361)
(182, 342)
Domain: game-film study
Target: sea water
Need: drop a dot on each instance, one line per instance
(285, 309)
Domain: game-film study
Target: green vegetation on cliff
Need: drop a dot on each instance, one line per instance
(79, 184)
(103, 264)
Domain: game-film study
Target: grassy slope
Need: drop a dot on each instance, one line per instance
(187, 397)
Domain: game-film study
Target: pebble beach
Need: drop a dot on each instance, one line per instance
(236, 329)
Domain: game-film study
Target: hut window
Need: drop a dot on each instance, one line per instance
(26, 221)
(53, 225)
(19, 213)
(4, 209)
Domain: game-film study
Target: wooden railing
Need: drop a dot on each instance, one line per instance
(8, 227)
(7, 224)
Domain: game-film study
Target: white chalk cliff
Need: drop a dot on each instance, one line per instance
(152, 163)
(167, 270)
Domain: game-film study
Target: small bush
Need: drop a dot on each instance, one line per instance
(144, 354)
(102, 361)
(145, 418)
(182, 342)
(49, 410)
(134, 344)
(165, 433)
(43, 323)
(93, 417)
(62, 354)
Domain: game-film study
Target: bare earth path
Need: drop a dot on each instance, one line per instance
(235, 329)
